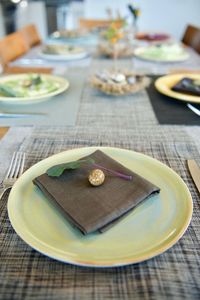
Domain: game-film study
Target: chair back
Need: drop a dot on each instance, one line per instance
(31, 35)
(12, 46)
(191, 37)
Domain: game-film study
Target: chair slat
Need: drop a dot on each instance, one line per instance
(12, 46)
(191, 37)
(31, 35)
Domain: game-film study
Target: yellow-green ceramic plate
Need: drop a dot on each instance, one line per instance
(61, 85)
(152, 228)
(164, 85)
(162, 53)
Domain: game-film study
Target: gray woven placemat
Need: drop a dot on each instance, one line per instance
(27, 274)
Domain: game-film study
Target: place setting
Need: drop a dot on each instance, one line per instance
(152, 37)
(80, 36)
(83, 201)
(62, 52)
(30, 88)
(40, 99)
(176, 98)
(162, 52)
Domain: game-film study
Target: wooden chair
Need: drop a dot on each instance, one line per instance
(31, 35)
(191, 37)
(12, 46)
(91, 24)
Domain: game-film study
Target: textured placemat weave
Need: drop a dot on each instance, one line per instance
(27, 274)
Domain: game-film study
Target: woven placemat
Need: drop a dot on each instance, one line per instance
(169, 110)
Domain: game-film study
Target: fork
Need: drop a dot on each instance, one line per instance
(14, 171)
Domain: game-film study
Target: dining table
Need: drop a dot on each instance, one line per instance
(168, 132)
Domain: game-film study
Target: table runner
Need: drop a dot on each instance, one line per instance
(128, 123)
(169, 110)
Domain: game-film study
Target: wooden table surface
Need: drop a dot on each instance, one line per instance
(3, 131)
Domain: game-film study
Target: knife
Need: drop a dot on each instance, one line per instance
(195, 172)
(194, 109)
(20, 115)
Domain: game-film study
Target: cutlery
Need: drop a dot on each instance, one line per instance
(195, 172)
(194, 109)
(20, 114)
(30, 61)
(14, 171)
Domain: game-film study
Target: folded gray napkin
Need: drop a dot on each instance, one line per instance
(188, 86)
(95, 208)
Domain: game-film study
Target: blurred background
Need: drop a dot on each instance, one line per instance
(169, 16)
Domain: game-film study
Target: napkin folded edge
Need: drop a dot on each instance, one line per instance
(114, 218)
(179, 88)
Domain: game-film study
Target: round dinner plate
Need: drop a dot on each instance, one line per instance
(67, 35)
(165, 83)
(141, 52)
(63, 85)
(64, 57)
(150, 229)
(152, 36)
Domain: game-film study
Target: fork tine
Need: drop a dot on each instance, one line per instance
(15, 165)
(22, 164)
(18, 165)
(11, 165)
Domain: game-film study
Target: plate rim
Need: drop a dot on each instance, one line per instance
(34, 99)
(62, 57)
(149, 33)
(173, 94)
(100, 264)
(57, 35)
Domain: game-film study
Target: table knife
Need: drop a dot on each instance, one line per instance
(20, 115)
(195, 172)
(194, 109)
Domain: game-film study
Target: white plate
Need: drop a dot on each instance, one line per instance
(63, 85)
(152, 228)
(81, 53)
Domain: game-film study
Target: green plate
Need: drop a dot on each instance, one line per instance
(152, 228)
(164, 53)
(62, 85)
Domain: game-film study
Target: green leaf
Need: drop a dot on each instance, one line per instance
(36, 80)
(57, 170)
(7, 91)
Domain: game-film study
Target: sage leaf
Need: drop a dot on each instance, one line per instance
(58, 170)
(7, 91)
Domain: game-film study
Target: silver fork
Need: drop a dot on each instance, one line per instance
(14, 171)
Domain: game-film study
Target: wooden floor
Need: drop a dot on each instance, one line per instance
(3, 131)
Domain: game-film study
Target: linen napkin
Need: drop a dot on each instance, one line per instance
(93, 208)
(188, 86)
